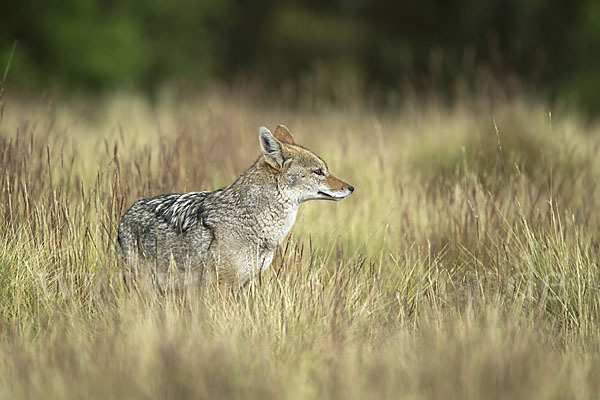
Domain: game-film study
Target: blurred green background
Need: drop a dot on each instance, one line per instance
(373, 47)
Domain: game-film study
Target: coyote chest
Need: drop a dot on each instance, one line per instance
(273, 226)
(267, 231)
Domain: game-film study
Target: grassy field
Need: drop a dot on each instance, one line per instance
(465, 264)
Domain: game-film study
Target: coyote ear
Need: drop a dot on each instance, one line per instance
(272, 148)
(283, 134)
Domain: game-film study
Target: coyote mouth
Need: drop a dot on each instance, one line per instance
(330, 197)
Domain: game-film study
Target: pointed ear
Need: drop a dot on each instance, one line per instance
(283, 134)
(272, 148)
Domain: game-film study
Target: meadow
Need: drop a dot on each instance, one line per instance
(464, 265)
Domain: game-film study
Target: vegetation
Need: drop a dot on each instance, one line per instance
(381, 47)
(465, 265)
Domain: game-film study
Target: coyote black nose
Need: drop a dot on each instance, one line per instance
(351, 188)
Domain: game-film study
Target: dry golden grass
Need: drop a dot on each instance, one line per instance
(465, 265)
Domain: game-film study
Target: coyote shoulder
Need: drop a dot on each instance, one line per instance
(231, 233)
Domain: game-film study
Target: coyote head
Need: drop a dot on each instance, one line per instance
(302, 174)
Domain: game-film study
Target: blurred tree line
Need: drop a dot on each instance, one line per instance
(377, 45)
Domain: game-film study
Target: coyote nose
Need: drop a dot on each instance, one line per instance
(351, 188)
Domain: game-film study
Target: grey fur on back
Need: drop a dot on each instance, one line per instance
(167, 226)
(231, 233)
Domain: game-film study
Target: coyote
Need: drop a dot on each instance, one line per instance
(232, 233)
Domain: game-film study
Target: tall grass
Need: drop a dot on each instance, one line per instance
(465, 265)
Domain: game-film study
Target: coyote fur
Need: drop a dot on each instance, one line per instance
(232, 233)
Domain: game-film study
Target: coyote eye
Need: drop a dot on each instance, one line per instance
(319, 172)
